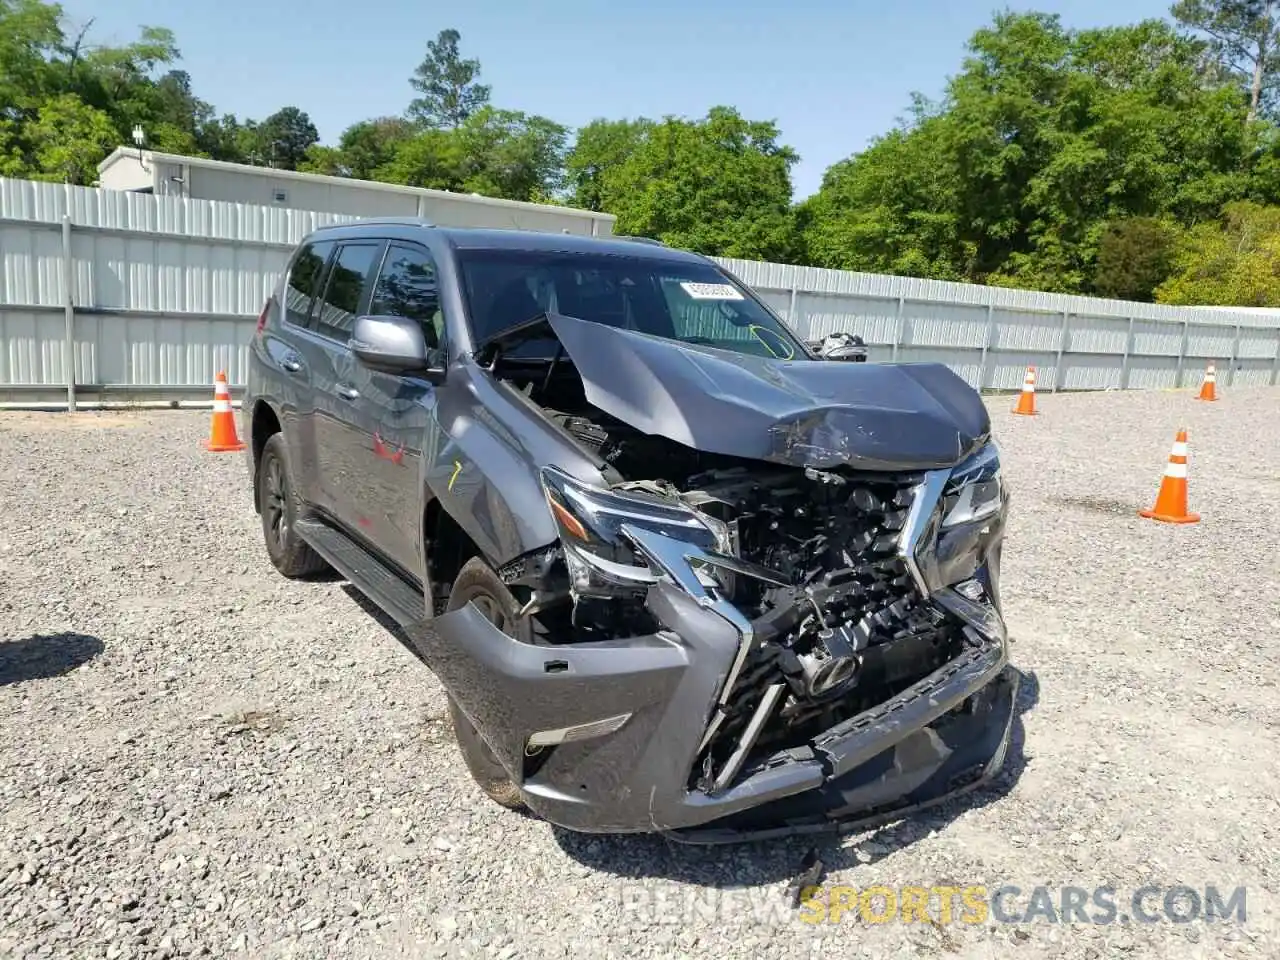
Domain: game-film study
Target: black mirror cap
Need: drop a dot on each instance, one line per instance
(393, 345)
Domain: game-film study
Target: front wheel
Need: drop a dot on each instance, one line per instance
(477, 583)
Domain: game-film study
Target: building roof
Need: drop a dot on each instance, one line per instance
(151, 156)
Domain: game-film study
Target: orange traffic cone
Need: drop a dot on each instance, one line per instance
(1027, 399)
(1208, 389)
(222, 434)
(1171, 501)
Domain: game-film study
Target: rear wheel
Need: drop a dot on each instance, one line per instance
(278, 502)
(477, 583)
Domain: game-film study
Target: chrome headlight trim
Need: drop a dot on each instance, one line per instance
(918, 531)
(978, 487)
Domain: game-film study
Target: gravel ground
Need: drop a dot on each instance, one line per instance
(204, 759)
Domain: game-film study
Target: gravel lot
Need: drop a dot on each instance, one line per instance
(201, 758)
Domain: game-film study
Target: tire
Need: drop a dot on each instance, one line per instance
(477, 582)
(278, 501)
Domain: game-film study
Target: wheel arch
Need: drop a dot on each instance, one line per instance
(265, 423)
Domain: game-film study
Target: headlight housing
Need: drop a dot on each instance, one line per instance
(975, 490)
(601, 561)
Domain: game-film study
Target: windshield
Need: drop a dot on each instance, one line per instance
(688, 302)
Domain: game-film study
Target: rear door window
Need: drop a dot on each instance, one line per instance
(305, 277)
(347, 289)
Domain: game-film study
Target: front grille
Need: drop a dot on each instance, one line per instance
(906, 638)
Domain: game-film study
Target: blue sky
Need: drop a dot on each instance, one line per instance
(832, 74)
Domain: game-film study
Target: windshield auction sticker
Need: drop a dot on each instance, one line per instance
(710, 291)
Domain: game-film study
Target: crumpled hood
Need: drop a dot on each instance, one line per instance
(817, 413)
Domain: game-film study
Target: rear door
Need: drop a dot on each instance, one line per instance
(292, 355)
(395, 413)
(341, 461)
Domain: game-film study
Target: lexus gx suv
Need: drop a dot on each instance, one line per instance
(675, 571)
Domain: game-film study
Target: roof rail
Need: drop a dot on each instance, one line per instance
(380, 222)
(623, 236)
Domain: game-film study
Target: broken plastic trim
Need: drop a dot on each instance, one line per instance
(676, 560)
(749, 736)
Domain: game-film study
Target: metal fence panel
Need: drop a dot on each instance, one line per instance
(1104, 335)
(819, 314)
(945, 325)
(166, 291)
(1251, 373)
(1090, 372)
(1211, 342)
(1154, 339)
(31, 347)
(1258, 344)
(1025, 331)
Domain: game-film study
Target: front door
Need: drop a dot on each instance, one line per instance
(341, 460)
(395, 413)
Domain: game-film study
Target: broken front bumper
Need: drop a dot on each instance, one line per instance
(946, 732)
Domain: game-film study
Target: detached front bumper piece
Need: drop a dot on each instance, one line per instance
(602, 737)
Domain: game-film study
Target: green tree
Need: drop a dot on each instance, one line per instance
(717, 185)
(1234, 261)
(327, 161)
(69, 138)
(1244, 37)
(29, 38)
(282, 139)
(1134, 257)
(1042, 139)
(370, 144)
(223, 138)
(431, 159)
(447, 84)
(893, 209)
(601, 147)
(506, 153)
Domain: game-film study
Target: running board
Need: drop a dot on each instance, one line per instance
(400, 600)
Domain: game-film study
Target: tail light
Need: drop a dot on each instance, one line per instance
(262, 318)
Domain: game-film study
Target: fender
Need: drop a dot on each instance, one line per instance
(481, 461)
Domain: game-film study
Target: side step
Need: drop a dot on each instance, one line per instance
(401, 601)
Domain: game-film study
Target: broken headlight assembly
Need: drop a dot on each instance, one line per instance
(601, 561)
(975, 490)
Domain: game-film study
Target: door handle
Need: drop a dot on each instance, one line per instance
(291, 365)
(348, 393)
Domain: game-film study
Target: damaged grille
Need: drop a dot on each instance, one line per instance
(851, 632)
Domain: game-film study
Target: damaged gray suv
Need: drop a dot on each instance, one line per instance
(675, 571)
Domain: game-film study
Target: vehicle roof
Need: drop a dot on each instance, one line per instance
(474, 238)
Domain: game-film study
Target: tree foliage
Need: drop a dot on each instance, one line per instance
(1138, 161)
(284, 137)
(1045, 136)
(1134, 257)
(447, 83)
(1244, 37)
(1234, 261)
(720, 184)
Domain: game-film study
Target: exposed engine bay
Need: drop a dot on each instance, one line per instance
(838, 624)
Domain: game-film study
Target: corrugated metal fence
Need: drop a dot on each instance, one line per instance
(149, 296)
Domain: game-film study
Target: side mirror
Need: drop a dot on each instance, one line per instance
(392, 345)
